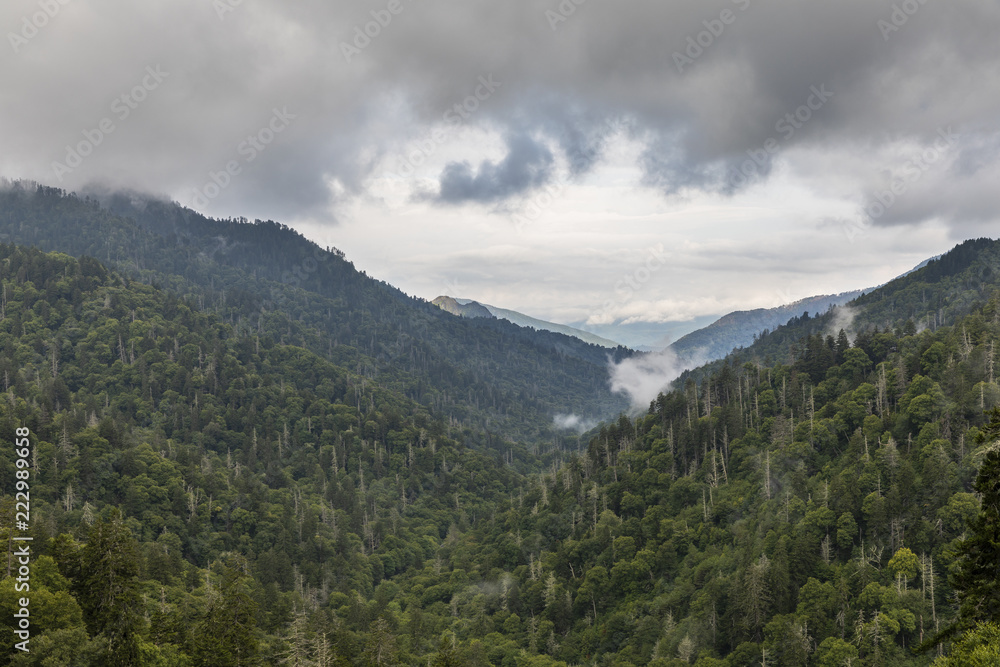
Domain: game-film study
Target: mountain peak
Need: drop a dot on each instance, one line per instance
(470, 309)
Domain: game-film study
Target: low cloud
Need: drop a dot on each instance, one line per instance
(573, 423)
(644, 376)
(843, 318)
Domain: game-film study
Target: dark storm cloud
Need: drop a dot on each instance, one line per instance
(528, 165)
(365, 77)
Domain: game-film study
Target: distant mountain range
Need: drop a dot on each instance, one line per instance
(699, 340)
(472, 309)
(647, 336)
(716, 338)
(740, 328)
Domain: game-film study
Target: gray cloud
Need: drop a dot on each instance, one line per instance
(607, 62)
(528, 165)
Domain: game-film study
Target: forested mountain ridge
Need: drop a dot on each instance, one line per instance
(804, 505)
(937, 293)
(739, 329)
(261, 486)
(264, 276)
(809, 512)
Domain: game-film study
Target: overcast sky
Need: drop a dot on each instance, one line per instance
(623, 161)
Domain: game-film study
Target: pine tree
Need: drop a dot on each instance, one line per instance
(381, 647)
(108, 588)
(977, 580)
(447, 655)
(227, 633)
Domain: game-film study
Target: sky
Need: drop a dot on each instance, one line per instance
(582, 161)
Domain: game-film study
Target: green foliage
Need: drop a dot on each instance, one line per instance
(904, 565)
(272, 283)
(980, 647)
(226, 634)
(975, 577)
(108, 588)
(447, 655)
(311, 482)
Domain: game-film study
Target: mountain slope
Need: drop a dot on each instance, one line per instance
(462, 307)
(522, 320)
(934, 295)
(231, 457)
(803, 503)
(739, 328)
(266, 278)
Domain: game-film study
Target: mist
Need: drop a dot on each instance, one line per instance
(843, 318)
(643, 377)
(573, 423)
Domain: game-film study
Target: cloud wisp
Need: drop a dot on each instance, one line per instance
(644, 376)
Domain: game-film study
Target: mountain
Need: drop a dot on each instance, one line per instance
(522, 320)
(247, 454)
(712, 337)
(238, 481)
(646, 336)
(264, 277)
(800, 502)
(936, 293)
(263, 480)
(462, 308)
(740, 328)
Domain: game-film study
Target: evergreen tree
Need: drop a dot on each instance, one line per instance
(977, 580)
(226, 635)
(108, 588)
(977, 648)
(381, 648)
(447, 655)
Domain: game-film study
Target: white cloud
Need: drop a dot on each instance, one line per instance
(573, 423)
(643, 377)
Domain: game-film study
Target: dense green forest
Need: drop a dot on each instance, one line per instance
(226, 454)
(265, 277)
(211, 487)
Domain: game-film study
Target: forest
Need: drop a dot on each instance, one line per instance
(221, 479)
(263, 275)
